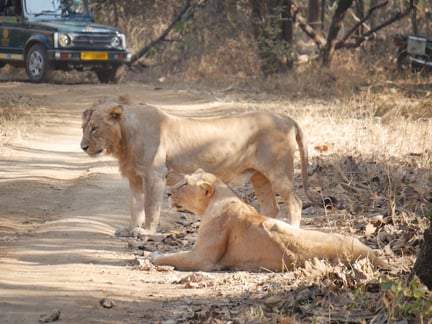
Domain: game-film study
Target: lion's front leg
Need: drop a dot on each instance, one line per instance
(137, 201)
(136, 208)
(207, 253)
(154, 188)
(183, 261)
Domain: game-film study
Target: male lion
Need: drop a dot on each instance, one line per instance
(232, 235)
(148, 142)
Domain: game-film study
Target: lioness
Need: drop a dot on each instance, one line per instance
(232, 235)
(148, 142)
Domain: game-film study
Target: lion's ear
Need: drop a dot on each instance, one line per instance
(86, 115)
(208, 188)
(115, 112)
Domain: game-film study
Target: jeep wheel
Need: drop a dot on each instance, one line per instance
(403, 63)
(108, 76)
(38, 67)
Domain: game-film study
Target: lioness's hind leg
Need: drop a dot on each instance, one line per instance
(265, 195)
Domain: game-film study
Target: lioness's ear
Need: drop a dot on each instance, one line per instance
(115, 112)
(208, 188)
(124, 99)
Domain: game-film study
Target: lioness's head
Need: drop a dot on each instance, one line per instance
(101, 128)
(194, 192)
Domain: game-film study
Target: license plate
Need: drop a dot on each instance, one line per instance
(94, 56)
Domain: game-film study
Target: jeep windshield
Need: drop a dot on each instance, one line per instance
(57, 8)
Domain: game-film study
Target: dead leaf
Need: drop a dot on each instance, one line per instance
(321, 148)
(370, 229)
(196, 280)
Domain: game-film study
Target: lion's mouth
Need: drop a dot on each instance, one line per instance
(95, 153)
(174, 204)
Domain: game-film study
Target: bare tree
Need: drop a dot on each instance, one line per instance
(332, 43)
(146, 48)
(335, 27)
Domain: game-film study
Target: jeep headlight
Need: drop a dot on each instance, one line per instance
(116, 42)
(64, 40)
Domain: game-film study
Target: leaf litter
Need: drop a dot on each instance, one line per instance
(383, 204)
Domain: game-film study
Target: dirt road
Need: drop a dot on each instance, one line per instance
(59, 210)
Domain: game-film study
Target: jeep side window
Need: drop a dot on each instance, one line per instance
(2, 7)
(12, 8)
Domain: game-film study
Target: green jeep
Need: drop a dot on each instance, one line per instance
(47, 35)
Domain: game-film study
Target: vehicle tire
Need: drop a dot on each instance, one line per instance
(38, 67)
(108, 75)
(2, 64)
(403, 63)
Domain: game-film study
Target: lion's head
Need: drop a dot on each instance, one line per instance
(194, 192)
(101, 128)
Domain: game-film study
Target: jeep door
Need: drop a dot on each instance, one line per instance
(12, 34)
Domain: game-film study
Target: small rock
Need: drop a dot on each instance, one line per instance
(52, 317)
(107, 303)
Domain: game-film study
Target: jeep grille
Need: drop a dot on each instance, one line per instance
(92, 41)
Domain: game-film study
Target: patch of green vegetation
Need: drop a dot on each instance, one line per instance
(407, 299)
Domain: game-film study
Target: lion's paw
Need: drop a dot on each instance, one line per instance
(154, 255)
(134, 232)
(139, 232)
(122, 231)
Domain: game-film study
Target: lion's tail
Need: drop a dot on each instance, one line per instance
(301, 143)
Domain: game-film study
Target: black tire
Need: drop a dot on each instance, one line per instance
(2, 64)
(403, 63)
(38, 67)
(108, 75)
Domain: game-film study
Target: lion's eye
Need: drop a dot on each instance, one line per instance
(93, 130)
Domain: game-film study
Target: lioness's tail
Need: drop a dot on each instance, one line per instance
(304, 164)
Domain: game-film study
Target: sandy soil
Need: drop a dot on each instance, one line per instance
(59, 210)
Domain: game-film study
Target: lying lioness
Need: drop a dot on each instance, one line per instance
(148, 142)
(232, 235)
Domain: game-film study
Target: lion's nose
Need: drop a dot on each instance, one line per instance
(84, 147)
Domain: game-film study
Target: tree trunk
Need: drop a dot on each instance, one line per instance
(414, 20)
(287, 21)
(314, 14)
(272, 27)
(334, 29)
(360, 12)
(423, 264)
(372, 20)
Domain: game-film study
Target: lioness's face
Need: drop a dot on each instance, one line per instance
(101, 129)
(193, 193)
